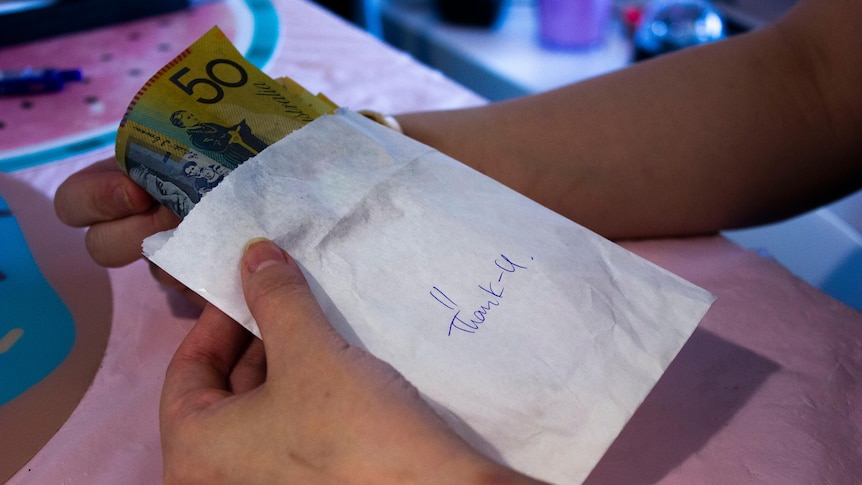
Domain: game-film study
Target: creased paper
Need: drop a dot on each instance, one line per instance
(533, 337)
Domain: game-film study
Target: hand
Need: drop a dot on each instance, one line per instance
(120, 214)
(310, 409)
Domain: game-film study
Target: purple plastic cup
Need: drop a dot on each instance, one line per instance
(573, 24)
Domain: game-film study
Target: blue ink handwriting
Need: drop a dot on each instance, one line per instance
(492, 293)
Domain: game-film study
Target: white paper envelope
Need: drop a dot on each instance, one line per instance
(532, 336)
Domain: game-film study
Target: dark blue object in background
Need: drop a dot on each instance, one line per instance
(669, 25)
(475, 13)
(65, 16)
(35, 81)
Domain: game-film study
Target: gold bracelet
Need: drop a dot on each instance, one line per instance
(388, 121)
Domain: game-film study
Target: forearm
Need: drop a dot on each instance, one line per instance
(719, 136)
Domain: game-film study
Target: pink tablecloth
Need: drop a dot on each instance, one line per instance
(764, 392)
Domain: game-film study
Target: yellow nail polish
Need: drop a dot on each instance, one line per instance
(253, 241)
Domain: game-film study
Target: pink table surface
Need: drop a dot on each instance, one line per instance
(765, 391)
(115, 62)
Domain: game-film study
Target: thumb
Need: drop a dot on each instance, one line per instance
(292, 324)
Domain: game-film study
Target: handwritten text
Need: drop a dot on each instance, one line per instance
(491, 293)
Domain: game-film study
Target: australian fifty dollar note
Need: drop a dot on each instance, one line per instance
(203, 114)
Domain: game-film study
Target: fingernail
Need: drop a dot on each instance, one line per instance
(122, 198)
(261, 253)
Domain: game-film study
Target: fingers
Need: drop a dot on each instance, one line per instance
(284, 307)
(100, 192)
(250, 369)
(199, 373)
(165, 279)
(118, 242)
(121, 214)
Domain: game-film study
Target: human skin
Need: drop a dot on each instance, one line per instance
(744, 131)
(240, 410)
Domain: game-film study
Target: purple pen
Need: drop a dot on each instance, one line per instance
(35, 81)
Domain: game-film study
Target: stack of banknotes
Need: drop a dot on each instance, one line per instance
(203, 114)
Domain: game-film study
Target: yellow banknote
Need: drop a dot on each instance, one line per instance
(203, 114)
